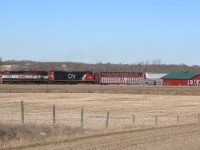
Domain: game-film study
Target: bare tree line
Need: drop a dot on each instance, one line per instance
(155, 66)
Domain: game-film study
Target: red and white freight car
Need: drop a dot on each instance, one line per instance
(118, 77)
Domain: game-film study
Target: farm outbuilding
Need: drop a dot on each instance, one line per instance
(181, 79)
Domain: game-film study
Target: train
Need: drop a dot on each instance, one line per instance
(73, 77)
(46, 77)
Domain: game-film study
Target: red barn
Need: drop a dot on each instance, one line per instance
(181, 79)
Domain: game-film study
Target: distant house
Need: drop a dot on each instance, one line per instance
(181, 79)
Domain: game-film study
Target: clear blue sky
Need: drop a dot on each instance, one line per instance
(114, 31)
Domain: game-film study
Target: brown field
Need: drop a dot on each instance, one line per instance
(120, 89)
(120, 134)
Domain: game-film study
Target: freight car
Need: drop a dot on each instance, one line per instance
(143, 82)
(118, 77)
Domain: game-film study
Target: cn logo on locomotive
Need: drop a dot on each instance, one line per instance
(71, 76)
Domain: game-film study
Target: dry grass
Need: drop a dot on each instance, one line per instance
(115, 103)
(15, 135)
(116, 89)
(38, 108)
(38, 114)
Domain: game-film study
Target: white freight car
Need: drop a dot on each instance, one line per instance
(154, 76)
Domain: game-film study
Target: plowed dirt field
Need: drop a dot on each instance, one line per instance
(186, 137)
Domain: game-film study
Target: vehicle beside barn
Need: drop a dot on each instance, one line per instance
(156, 77)
(181, 79)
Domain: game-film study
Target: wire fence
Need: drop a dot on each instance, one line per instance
(33, 113)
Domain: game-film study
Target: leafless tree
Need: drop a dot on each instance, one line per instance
(154, 66)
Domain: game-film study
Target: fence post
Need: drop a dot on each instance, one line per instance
(175, 91)
(177, 118)
(82, 117)
(133, 120)
(107, 118)
(54, 114)
(1, 81)
(22, 112)
(156, 120)
(27, 89)
(139, 91)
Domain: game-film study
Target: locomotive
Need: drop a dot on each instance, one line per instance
(71, 77)
(24, 77)
(45, 77)
(74, 77)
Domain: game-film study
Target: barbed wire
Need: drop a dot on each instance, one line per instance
(10, 112)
